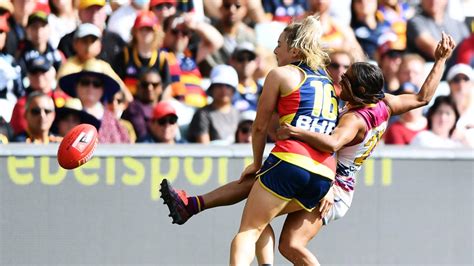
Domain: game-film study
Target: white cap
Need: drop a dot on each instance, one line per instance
(87, 29)
(224, 74)
(248, 115)
(245, 47)
(460, 69)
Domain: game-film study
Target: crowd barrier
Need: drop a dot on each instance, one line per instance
(412, 206)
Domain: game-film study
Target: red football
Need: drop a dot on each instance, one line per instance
(78, 146)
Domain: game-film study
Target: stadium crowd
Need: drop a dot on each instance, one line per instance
(191, 71)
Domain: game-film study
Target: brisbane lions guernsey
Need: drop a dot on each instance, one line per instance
(351, 157)
(312, 106)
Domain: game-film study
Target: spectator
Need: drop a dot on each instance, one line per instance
(117, 106)
(6, 132)
(254, 12)
(367, 29)
(39, 116)
(163, 127)
(122, 20)
(244, 60)
(36, 43)
(185, 76)
(62, 20)
(460, 81)
(217, 122)
(340, 60)
(244, 128)
(93, 11)
(87, 45)
(94, 87)
(163, 9)
(71, 115)
(233, 29)
(442, 117)
(335, 35)
(143, 53)
(284, 10)
(389, 58)
(409, 124)
(40, 74)
(20, 11)
(395, 14)
(10, 74)
(425, 28)
(139, 112)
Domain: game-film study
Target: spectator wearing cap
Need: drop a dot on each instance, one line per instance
(461, 86)
(163, 125)
(62, 19)
(37, 41)
(94, 87)
(143, 53)
(244, 61)
(11, 87)
(41, 77)
(71, 115)
(121, 21)
(425, 28)
(139, 111)
(39, 115)
(19, 11)
(389, 57)
(87, 45)
(217, 122)
(94, 12)
(183, 61)
(163, 9)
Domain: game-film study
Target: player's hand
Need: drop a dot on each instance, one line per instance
(249, 172)
(285, 131)
(445, 47)
(326, 203)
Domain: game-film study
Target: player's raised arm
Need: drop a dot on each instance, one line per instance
(406, 102)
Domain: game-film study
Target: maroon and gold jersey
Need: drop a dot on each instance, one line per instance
(313, 106)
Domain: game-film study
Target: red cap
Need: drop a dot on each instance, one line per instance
(4, 22)
(163, 109)
(145, 19)
(157, 2)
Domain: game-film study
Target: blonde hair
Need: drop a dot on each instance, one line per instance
(305, 36)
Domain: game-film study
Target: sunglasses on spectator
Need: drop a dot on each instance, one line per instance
(460, 78)
(229, 6)
(118, 101)
(145, 84)
(245, 130)
(182, 32)
(96, 83)
(166, 120)
(37, 71)
(337, 66)
(160, 7)
(393, 54)
(244, 57)
(37, 111)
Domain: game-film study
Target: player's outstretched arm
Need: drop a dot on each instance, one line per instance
(406, 102)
